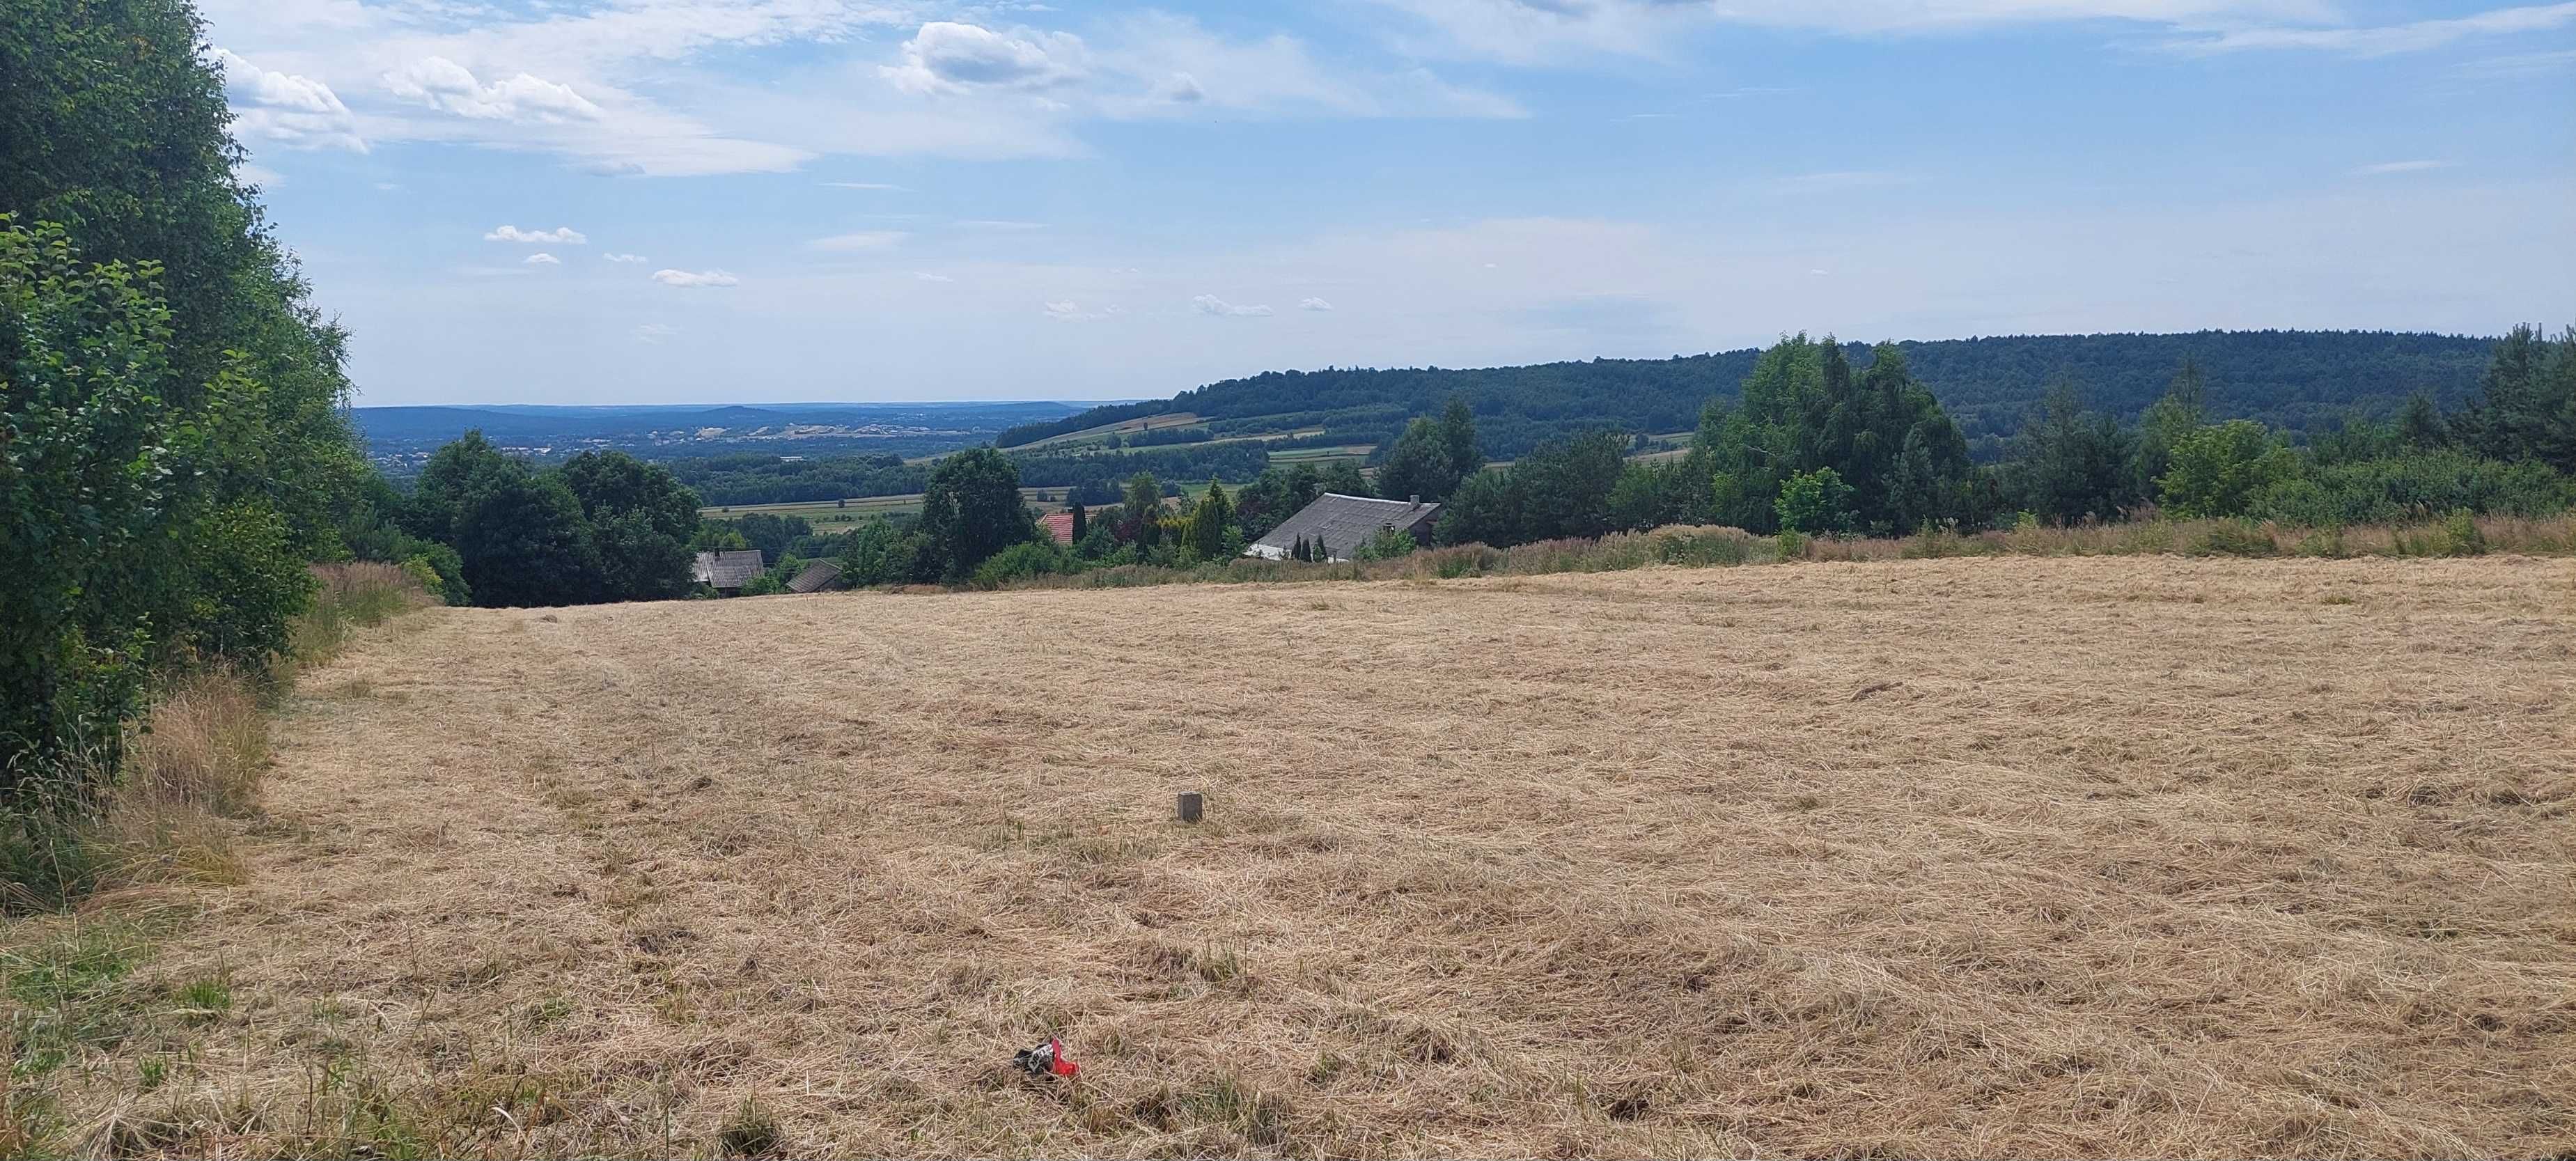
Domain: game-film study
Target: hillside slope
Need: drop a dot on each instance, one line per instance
(1960, 857)
(2304, 380)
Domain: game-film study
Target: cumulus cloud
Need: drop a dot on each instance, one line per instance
(1073, 312)
(1314, 304)
(947, 57)
(617, 257)
(654, 333)
(542, 259)
(296, 111)
(1211, 304)
(695, 279)
(450, 87)
(559, 236)
(1181, 88)
(2388, 167)
(862, 240)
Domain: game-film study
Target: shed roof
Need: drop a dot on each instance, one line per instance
(1058, 525)
(728, 570)
(1344, 523)
(814, 577)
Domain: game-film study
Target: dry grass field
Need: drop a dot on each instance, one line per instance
(2068, 857)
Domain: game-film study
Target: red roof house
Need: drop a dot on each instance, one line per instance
(1058, 525)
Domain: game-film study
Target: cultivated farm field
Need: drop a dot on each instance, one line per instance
(2074, 857)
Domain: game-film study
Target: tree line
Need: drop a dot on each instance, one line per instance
(2299, 381)
(174, 447)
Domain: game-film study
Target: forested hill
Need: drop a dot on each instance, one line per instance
(2301, 380)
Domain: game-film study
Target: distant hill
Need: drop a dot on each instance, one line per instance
(2301, 380)
(401, 438)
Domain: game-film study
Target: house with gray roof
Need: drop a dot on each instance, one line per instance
(1343, 523)
(727, 571)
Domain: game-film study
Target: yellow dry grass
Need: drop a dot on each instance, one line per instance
(2076, 857)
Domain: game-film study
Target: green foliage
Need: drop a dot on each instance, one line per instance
(87, 470)
(641, 521)
(1342, 477)
(1817, 501)
(1025, 559)
(2302, 381)
(2466, 538)
(2218, 471)
(2411, 487)
(1211, 520)
(1880, 431)
(2073, 465)
(1431, 456)
(973, 510)
(1650, 495)
(1386, 544)
(2526, 404)
(1275, 496)
(879, 553)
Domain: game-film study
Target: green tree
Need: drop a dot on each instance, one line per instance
(524, 543)
(1140, 509)
(2526, 405)
(641, 519)
(2421, 427)
(1805, 409)
(1458, 438)
(86, 477)
(1817, 501)
(1081, 523)
(2183, 410)
(1210, 519)
(1342, 477)
(1484, 510)
(2072, 465)
(973, 509)
(2217, 471)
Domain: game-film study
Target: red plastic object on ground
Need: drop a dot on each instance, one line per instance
(1047, 1059)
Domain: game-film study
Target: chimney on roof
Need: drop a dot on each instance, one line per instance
(1417, 501)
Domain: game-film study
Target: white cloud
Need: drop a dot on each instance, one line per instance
(542, 259)
(2388, 167)
(693, 279)
(1182, 88)
(947, 57)
(2389, 39)
(1211, 304)
(250, 173)
(927, 276)
(559, 236)
(296, 111)
(445, 85)
(862, 240)
(1073, 312)
(617, 257)
(654, 333)
(1314, 304)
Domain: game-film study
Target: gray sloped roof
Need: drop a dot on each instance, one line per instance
(1344, 523)
(814, 577)
(728, 570)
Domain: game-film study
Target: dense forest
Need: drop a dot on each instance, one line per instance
(2299, 381)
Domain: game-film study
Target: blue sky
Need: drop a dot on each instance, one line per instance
(724, 200)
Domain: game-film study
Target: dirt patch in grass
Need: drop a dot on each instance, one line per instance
(1949, 857)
